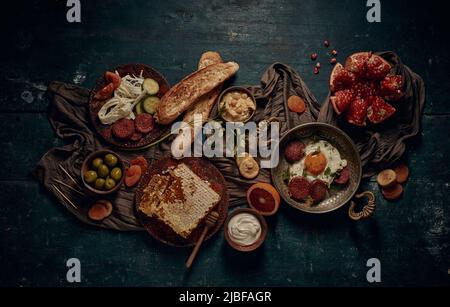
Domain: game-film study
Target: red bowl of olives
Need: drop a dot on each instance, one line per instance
(102, 172)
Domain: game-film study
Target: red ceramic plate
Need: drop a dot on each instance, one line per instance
(205, 170)
(95, 106)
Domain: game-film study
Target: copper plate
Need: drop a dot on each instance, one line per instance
(95, 106)
(205, 170)
(347, 150)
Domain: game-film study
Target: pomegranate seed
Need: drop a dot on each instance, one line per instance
(313, 56)
(334, 52)
(333, 61)
(316, 70)
(326, 43)
(318, 64)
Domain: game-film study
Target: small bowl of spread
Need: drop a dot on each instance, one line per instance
(245, 229)
(237, 104)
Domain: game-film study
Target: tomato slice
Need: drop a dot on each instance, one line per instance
(105, 92)
(114, 78)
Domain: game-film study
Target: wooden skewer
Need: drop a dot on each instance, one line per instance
(69, 186)
(64, 196)
(211, 220)
(68, 175)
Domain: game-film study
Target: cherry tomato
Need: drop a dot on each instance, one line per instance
(105, 92)
(114, 78)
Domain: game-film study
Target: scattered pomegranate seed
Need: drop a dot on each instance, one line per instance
(318, 64)
(313, 56)
(333, 61)
(326, 43)
(316, 70)
(334, 52)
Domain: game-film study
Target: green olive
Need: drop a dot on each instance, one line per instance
(103, 171)
(99, 183)
(109, 183)
(116, 173)
(90, 176)
(97, 162)
(111, 160)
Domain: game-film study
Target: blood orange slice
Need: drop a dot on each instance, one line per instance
(264, 198)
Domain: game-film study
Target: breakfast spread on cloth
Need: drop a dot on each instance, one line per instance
(125, 167)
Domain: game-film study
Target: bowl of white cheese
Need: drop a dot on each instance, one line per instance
(245, 229)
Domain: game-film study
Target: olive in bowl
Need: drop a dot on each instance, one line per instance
(102, 172)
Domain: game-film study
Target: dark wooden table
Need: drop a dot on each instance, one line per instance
(409, 236)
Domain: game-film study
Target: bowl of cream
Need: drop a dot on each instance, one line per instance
(245, 229)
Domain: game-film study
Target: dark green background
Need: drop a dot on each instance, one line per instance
(409, 236)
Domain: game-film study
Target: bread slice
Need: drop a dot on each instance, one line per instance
(180, 199)
(184, 94)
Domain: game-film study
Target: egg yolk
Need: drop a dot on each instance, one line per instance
(315, 163)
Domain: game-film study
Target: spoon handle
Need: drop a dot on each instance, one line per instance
(196, 248)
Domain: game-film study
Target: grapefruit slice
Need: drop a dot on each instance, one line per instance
(264, 198)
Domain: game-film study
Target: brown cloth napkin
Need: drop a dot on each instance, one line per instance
(68, 113)
(69, 117)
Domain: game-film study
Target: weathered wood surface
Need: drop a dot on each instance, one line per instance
(409, 236)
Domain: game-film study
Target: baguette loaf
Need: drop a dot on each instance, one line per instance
(202, 107)
(185, 93)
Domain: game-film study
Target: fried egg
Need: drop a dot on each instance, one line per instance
(321, 161)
